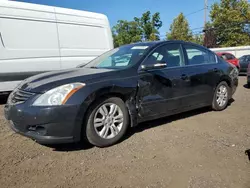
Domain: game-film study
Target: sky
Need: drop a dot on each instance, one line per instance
(128, 9)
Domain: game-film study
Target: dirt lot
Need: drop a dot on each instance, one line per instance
(196, 149)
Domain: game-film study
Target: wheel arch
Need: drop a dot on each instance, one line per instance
(128, 95)
(226, 79)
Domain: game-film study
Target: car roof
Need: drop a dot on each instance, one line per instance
(157, 43)
(220, 53)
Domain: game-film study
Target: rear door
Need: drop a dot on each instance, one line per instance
(200, 75)
(160, 90)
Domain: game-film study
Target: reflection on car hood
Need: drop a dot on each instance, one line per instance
(43, 82)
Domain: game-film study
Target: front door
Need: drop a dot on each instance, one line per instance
(160, 89)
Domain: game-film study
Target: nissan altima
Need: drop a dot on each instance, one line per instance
(123, 87)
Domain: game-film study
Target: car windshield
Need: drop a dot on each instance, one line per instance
(118, 58)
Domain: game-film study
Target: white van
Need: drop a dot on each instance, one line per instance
(38, 38)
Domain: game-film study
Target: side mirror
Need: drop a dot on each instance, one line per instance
(157, 65)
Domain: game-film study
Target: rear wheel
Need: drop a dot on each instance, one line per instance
(221, 96)
(107, 122)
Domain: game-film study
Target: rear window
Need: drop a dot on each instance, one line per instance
(227, 56)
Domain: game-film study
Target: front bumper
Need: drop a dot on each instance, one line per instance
(45, 125)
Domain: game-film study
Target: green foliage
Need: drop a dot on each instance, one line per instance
(144, 28)
(126, 32)
(198, 39)
(229, 19)
(150, 26)
(230, 26)
(179, 29)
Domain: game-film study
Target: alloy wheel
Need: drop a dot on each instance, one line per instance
(108, 120)
(222, 95)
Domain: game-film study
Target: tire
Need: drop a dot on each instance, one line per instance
(221, 106)
(96, 135)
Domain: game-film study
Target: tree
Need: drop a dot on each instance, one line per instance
(144, 28)
(126, 32)
(210, 37)
(229, 20)
(150, 26)
(198, 39)
(179, 29)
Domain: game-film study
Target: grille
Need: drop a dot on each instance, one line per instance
(19, 96)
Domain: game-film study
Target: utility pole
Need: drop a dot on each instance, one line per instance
(205, 21)
(205, 12)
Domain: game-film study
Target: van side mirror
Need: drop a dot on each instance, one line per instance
(157, 65)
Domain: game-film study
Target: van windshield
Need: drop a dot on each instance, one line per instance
(118, 58)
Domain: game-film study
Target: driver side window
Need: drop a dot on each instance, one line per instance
(171, 54)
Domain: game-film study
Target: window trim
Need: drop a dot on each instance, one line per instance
(202, 49)
(158, 46)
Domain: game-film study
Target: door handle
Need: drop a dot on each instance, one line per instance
(184, 77)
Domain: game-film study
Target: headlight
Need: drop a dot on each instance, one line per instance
(58, 95)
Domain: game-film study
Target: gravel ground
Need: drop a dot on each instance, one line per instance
(197, 149)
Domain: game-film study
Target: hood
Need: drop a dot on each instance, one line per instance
(43, 82)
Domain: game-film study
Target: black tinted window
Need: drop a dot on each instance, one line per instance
(197, 56)
(229, 56)
(170, 54)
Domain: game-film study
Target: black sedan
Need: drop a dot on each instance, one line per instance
(244, 61)
(120, 89)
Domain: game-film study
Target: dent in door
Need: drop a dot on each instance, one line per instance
(156, 93)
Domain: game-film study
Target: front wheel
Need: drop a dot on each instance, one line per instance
(107, 122)
(221, 96)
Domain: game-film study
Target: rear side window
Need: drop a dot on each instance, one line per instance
(198, 56)
(229, 56)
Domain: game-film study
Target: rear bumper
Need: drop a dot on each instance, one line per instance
(235, 83)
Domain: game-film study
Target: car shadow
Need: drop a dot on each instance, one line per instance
(241, 74)
(246, 86)
(166, 120)
(247, 152)
(83, 145)
(3, 99)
